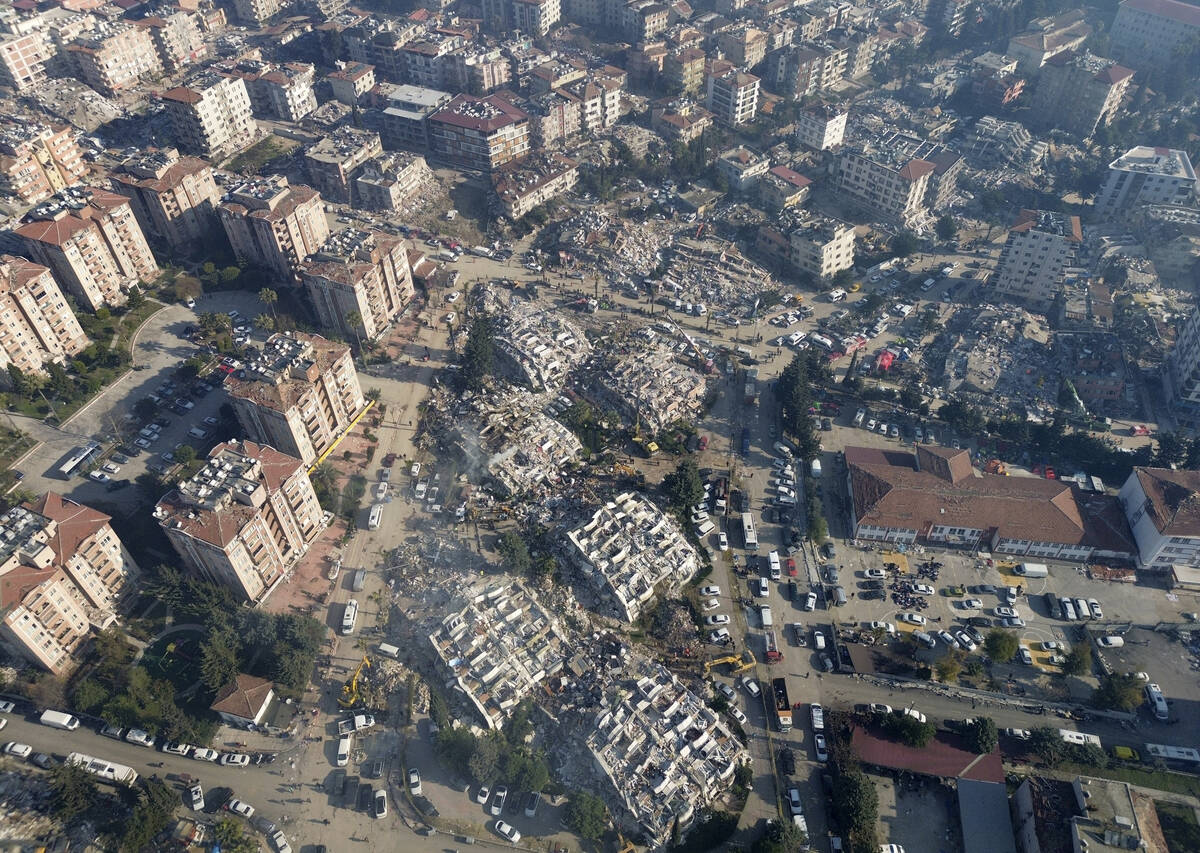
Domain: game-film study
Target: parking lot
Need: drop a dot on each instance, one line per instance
(918, 815)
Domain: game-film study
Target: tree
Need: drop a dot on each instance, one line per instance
(185, 455)
(265, 322)
(355, 322)
(587, 815)
(219, 659)
(904, 244)
(154, 808)
(514, 552)
(144, 409)
(981, 735)
(232, 837)
(683, 487)
(1079, 660)
(1118, 692)
(455, 747)
(478, 358)
(484, 763)
(780, 838)
(1047, 744)
(268, 297)
(1001, 645)
(909, 730)
(72, 791)
(945, 227)
(857, 802)
(950, 666)
(135, 299)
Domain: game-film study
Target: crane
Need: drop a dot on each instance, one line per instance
(350, 697)
(700, 356)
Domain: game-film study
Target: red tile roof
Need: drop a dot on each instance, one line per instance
(243, 698)
(76, 522)
(791, 176)
(914, 170)
(943, 757)
(1174, 498)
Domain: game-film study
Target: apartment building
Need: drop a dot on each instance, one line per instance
(821, 127)
(744, 46)
(405, 119)
(38, 160)
(732, 95)
(742, 168)
(351, 81)
(211, 115)
(535, 17)
(524, 184)
(1040, 245)
(1181, 374)
(274, 224)
(599, 99)
(1079, 91)
(301, 393)
(679, 120)
(1148, 32)
(781, 188)
(1048, 37)
(887, 183)
(381, 42)
(479, 133)
(822, 247)
(806, 69)
(63, 572)
(683, 70)
(91, 240)
(255, 13)
(37, 325)
(244, 519)
(333, 161)
(425, 59)
(1160, 505)
(283, 91)
(23, 58)
(358, 283)
(113, 58)
(552, 115)
(388, 183)
(174, 198)
(177, 39)
(556, 73)
(1145, 175)
(477, 70)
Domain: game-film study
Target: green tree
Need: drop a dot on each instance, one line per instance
(1001, 645)
(1118, 692)
(587, 815)
(185, 455)
(981, 735)
(909, 730)
(904, 244)
(1047, 744)
(156, 803)
(231, 274)
(514, 552)
(780, 838)
(525, 770)
(232, 837)
(72, 792)
(478, 358)
(265, 322)
(268, 297)
(945, 227)
(456, 747)
(683, 487)
(1079, 660)
(219, 659)
(484, 763)
(950, 666)
(135, 299)
(857, 802)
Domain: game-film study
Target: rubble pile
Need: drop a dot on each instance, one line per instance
(24, 802)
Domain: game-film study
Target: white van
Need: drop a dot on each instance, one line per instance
(705, 528)
(343, 753)
(350, 616)
(376, 517)
(390, 651)
(59, 720)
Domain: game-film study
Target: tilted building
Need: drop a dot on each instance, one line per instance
(522, 185)
(300, 395)
(389, 182)
(1040, 245)
(114, 58)
(174, 198)
(244, 519)
(358, 283)
(479, 133)
(38, 160)
(1145, 175)
(37, 325)
(211, 115)
(274, 224)
(1078, 92)
(333, 161)
(1163, 508)
(177, 39)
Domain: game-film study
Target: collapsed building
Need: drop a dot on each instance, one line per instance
(627, 549)
(538, 348)
(648, 386)
(496, 645)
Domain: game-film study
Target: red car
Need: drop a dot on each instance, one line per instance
(791, 567)
(703, 442)
(389, 460)
(1050, 475)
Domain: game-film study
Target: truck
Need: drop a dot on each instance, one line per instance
(357, 723)
(764, 613)
(816, 468)
(350, 616)
(818, 717)
(783, 705)
(59, 720)
(773, 654)
(1033, 570)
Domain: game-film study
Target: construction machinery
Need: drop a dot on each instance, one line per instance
(350, 697)
(737, 663)
(995, 466)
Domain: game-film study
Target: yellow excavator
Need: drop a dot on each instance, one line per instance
(737, 663)
(350, 697)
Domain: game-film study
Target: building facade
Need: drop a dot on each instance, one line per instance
(1161, 506)
(244, 519)
(1040, 245)
(389, 182)
(1148, 32)
(211, 115)
(91, 239)
(301, 394)
(114, 58)
(822, 247)
(333, 161)
(1078, 92)
(894, 188)
(23, 59)
(274, 224)
(732, 97)
(37, 161)
(174, 198)
(479, 133)
(176, 38)
(524, 184)
(358, 283)
(37, 325)
(821, 128)
(1145, 175)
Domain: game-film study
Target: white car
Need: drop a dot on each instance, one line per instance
(1005, 612)
(111, 468)
(711, 589)
(1026, 656)
(1051, 645)
(453, 297)
(719, 636)
(871, 425)
(281, 843)
(1012, 622)
(911, 618)
(971, 604)
(964, 640)
(506, 831)
(736, 713)
(711, 604)
(698, 517)
(139, 737)
(923, 589)
(1111, 642)
(886, 626)
(99, 477)
(20, 750)
(1097, 612)
(879, 708)
(810, 601)
(1019, 734)
(914, 713)
(948, 638)
(238, 807)
(718, 619)
(235, 759)
(722, 541)
(794, 802)
(172, 748)
(751, 686)
(875, 574)
(205, 754)
(196, 795)
(415, 470)
(7, 707)
(819, 748)
(414, 782)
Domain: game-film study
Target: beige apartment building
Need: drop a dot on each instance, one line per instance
(114, 58)
(91, 239)
(886, 183)
(274, 224)
(351, 81)
(257, 12)
(63, 572)
(334, 159)
(1079, 91)
(732, 95)
(300, 394)
(683, 69)
(479, 133)
(281, 91)
(387, 183)
(244, 519)
(535, 17)
(361, 274)
(211, 115)
(524, 184)
(36, 323)
(1040, 245)
(37, 160)
(23, 59)
(174, 198)
(822, 247)
(177, 39)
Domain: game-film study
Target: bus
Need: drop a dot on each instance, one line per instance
(1079, 738)
(350, 616)
(748, 533)
(105, 771)
(1173, 753)
(78, 457)
(1156, 701)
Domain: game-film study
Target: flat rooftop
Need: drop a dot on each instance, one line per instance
(1168, 162)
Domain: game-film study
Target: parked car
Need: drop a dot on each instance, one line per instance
(414, 782)
(238, 807)
(506, 831)
(498, 799)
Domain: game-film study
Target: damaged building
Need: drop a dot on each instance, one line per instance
(648, 386)
(538, 348)
(495, 646)
(627, 549)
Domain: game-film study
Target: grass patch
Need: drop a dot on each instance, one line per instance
(254, 158)
(1159, 780)
(1179, 826)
